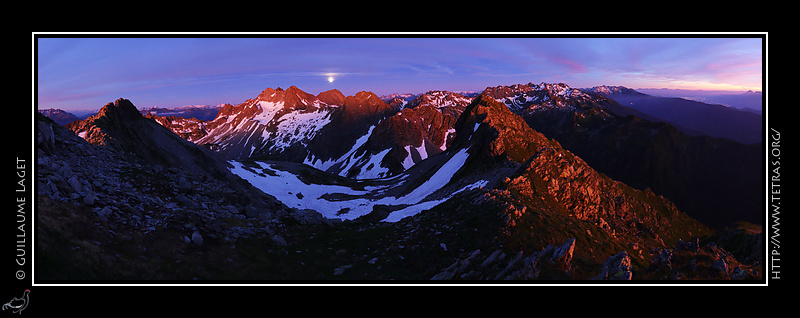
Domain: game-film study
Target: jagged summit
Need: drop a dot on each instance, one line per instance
(291, 98)
(534, 97)
(363, 104)
(449, 103)
(100, 128)
(121, 109)
(493, 130)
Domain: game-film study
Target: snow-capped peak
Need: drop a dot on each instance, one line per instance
(536, 96)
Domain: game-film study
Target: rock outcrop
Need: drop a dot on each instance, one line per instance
(119, 125)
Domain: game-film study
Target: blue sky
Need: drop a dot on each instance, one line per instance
(89, 72)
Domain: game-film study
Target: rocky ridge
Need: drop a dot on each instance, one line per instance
(551, 180)
(695, 172)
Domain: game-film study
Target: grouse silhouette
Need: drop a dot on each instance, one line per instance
(18, 304)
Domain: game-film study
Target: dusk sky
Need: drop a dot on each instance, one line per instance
(87, 73)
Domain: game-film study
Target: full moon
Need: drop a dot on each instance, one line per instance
(330, 79)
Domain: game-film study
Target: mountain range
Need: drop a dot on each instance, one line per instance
(528, 181)
(692, 117)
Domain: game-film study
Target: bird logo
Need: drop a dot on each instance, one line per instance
(17, 305)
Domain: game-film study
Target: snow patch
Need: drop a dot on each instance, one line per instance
(268, 111)
(422, 206)
(285, 186)
(443, 147)
(440, 178)
(372, 168)
(408, 162)
(295, 127)
(293, 192)
(325, 165)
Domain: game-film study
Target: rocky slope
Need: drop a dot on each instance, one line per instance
(553, 179)
(106, 213)
(712, 179)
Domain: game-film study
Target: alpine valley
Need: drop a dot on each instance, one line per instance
(525, 182)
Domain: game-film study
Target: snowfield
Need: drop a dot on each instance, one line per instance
(293, 192)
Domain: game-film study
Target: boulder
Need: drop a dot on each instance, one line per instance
(720, 266)
(89, 199)
(185, 186)
(75, 184)
(105, 211)
(617, 267)
(279, 240)
(563, 254)
(664, 258)
(308, 216)
(197, 238)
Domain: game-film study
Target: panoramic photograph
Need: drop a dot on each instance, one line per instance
(426, 159)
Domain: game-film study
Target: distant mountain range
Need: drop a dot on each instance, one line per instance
(524, 181)
(61, 117)
(751, 101)
(691, 116)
